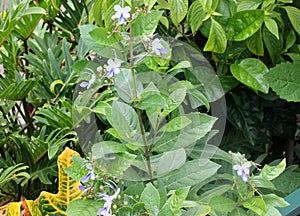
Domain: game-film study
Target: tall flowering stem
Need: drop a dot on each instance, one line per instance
(147, 150)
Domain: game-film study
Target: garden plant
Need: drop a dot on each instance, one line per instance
(149, 107)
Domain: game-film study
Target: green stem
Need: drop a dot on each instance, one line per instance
(147, 150)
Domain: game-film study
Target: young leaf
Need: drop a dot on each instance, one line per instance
(217, 40)
(246, 23)
(272, 172)
(272, 26)
(255, 44)
(251, 72)
(284, 79)
(175, 201)
(150, 196)
(56, 204)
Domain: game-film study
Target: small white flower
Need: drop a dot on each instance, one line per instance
(243, 170)
(121, 13)
(1, 69)
(158, 48)
(113, 67)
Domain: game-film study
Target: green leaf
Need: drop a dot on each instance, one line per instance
(217, 40)
(145, 24)
(174, 100)
(84, 207)
(256, 205)
(275, 201)
(176, 124)
(251, 72)
(175, 201)
(222, 203)
(290, 40)
(178, 9)
(255, 44)
(150, 196)
(17, 91)
(170, 161)
(272, 172)
(272, 26)
(100, 35)
(152, 101)
(215, 191)
(191, 173)
(294, 16)
(166, 210)
(246, 23)
(284, 79)
(261, 182)
(196, 16)
(249, 5)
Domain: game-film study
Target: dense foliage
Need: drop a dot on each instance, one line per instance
(156, 96)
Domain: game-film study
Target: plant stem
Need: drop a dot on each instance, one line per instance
(147, 150)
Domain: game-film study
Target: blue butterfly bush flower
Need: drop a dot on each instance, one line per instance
(91, 175)
(106, 210)
(113, 67)
(89, 83)
(243, 170)
(157, 47)
(121, 14)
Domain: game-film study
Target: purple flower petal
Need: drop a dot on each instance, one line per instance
(86, 178)
(82, 187)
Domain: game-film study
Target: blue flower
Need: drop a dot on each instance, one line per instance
(88, 84)
(113, 67)
(121, 13)
(91, 175)
(82, 187)
(243, 170)
(106, 210)
(158, 48)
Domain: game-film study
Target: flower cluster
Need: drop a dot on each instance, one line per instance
(113, 67)
(106, 209)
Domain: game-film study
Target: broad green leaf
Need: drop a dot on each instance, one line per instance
(238, 212)
(170, 161)
(150, 196)
(180, 65)
(275, 201)
(166, 210)
(294, 16)
(196, 16)
(176, 124)
(145, 24)
(174, 100)
(217, 40)
(245, 23)
(272, 172)
(222, 203)
(271, 26)
(261, 182)
(77, 170)
(288, 181)
(125, 121)
(178, 9)
(100, 35)
(87, 38)
(256, 205)
(273, 46)
(255, 44)
(191, 173)
(290, 40)
(153, 101)
(201, 210)
(175, 201)
(284, 79)
(216, 191)
(56, 204)
(84, 207)
(228, 83)
(251, 72)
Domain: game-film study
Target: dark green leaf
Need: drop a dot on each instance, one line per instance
(217, 40)
(222, 203)
(294, 16)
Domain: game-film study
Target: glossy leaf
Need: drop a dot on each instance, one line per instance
(272, 26)
(273, 46)
(294, 16)
(150, 196)
(248, 5)
(178, 9)
(217, 40)
(284, 79)
(251, 72)
(271, 172)
(195, 16)
(255, 44)
(245, 23)
(56, 204)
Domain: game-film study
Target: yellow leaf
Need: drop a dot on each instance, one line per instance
(14, 209)
(56, 204)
